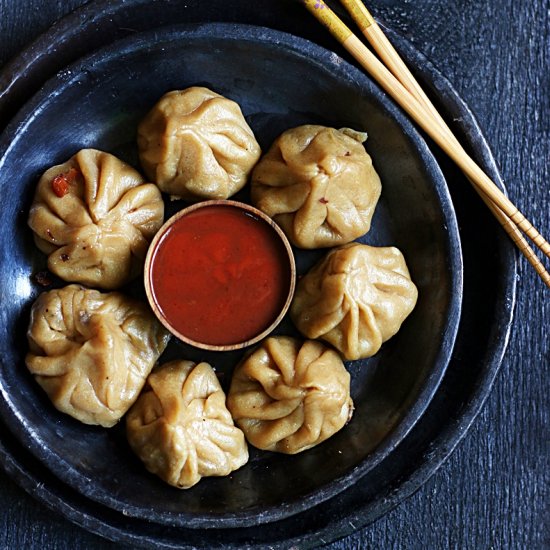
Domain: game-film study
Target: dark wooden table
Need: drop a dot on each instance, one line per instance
(493, 491)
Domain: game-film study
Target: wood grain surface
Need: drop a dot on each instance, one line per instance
(493, 492)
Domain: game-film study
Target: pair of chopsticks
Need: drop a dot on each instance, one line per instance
(396, 79)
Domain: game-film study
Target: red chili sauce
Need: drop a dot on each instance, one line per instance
(220, 275)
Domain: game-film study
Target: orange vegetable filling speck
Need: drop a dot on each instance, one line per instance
(61, 182)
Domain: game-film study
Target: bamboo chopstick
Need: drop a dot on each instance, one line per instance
(430, 121)
(384, 48)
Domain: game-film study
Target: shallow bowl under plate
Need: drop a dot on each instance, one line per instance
(280, 81)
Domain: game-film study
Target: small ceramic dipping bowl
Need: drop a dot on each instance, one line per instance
(220, 275)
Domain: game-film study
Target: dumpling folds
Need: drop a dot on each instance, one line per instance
(94, 217)
(288, 396)
(195, 144)
(180, 426)
(355, 298)
(319, 185)
(92, 351)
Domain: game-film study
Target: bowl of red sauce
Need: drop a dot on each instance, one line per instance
(220, 275)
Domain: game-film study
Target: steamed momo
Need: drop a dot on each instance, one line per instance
(355, 298)
(180, 426)
(94, 217)
(195, 144)
(319, 185)
(288, 396)
(92, 351)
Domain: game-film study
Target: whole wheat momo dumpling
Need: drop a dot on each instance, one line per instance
(318, 184)
(180, 426)
(288, 395)
(94, 217)
(195, 144)
(355, 298)
(92, 351)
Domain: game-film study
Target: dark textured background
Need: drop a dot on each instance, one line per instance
(494, 490)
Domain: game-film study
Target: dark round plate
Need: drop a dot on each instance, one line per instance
(280, 81)
(488, 300)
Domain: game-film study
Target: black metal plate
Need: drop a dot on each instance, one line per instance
(480, 346)
(99, 103)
